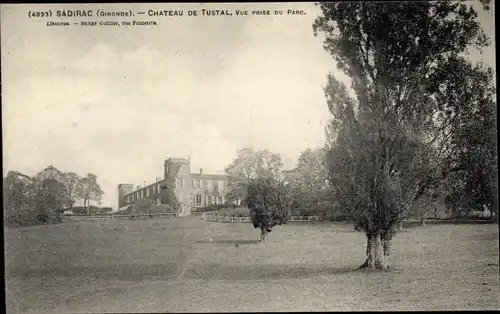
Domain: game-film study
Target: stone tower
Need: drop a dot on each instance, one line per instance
(175, 167)
(124, 189)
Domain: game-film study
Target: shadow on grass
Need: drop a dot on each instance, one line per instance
(126, 272)
(212, 271)
(225, 242)
(199, 271)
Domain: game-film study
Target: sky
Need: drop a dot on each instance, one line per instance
(118, 101)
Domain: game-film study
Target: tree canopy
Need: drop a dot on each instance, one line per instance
(391, 129)
(269, 201)
(89, 190)
(250, 164)
(309, 182)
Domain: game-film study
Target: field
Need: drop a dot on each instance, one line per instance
(185, 264)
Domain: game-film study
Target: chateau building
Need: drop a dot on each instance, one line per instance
(191, 190)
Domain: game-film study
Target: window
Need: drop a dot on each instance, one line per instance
(221, 185)
(198, 200)
(197, 183)
(220, 200)
(208, 184)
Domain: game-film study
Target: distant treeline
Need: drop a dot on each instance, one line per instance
(42, 198)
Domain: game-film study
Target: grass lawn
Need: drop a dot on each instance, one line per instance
(185, 264)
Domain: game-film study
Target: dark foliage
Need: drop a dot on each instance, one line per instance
(269, 202)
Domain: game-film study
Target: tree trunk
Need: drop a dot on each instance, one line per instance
(400, 225)
(377, 251)
(263, 233)
(387, 249)
(422, 222)
(369, 258)
(88, 207)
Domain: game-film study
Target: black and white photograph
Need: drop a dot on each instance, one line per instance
(250, 157)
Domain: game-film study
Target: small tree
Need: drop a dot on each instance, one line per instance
(269, 201)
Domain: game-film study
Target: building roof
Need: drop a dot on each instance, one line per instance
(145, 187)
(124, 207)
(181, 160)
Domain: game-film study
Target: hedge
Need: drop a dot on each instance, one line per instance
(233, 212)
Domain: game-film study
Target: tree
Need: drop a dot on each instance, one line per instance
(89, 190)
(49, 190)
(269, 201)
(388, 138)
(71, 181)
(250, 164)
(50, 197)
(472, 161)
(50, 172)
(16, 193)
(309, 181)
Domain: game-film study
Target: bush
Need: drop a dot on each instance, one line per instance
(335, 216)
(165, 208)
(213, 207)
(82, 210)
(233, 212)
(31, 219)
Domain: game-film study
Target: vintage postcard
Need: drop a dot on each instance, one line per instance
(234, 157)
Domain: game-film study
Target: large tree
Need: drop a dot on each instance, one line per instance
(32, 200)
(389, 133)
(70, 181)
(16, 194)
(50, 191)
(472, 142)
(250, 164)
(309, 182)
(89, 190)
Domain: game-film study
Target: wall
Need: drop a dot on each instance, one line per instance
(124, 189)
(179, 187)
(187, 191)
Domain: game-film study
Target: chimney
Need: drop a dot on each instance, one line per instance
(201, 170)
